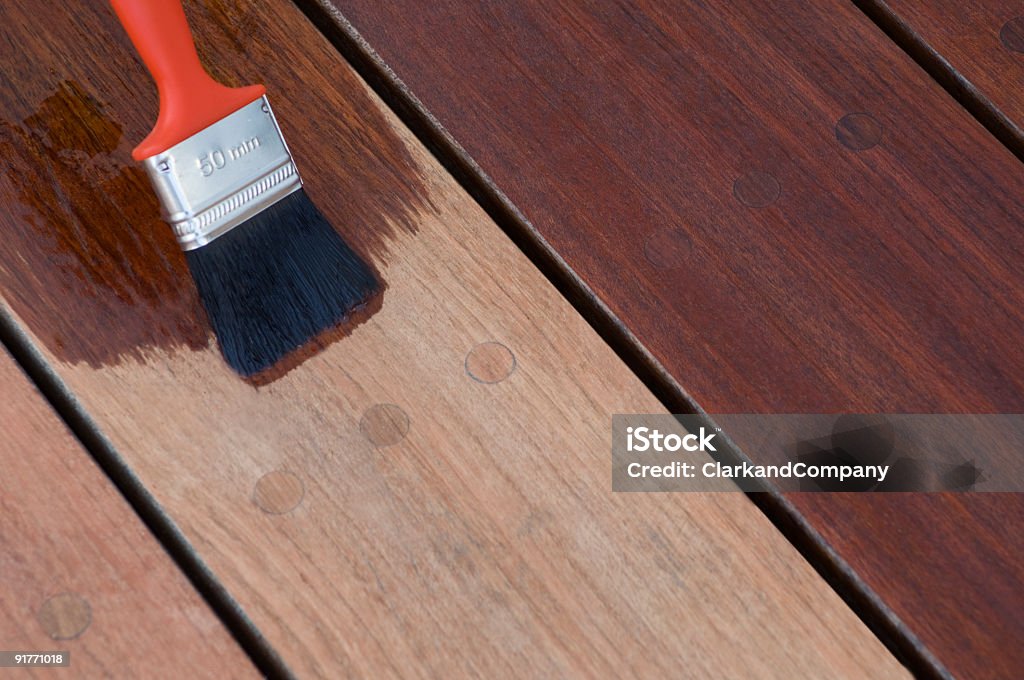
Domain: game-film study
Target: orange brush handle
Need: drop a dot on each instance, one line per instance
(190, 100)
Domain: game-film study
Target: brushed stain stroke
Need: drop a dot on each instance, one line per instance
(88, 265)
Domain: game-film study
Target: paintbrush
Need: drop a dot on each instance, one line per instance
(270, 270)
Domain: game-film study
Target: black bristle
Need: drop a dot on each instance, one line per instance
(278, 280)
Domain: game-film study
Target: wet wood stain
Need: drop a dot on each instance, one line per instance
(91, 267)
(88, 265)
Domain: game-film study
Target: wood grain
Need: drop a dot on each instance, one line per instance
(429, 495)
(786, 213)
(80, 573)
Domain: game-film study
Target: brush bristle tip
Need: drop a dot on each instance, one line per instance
(275, 282)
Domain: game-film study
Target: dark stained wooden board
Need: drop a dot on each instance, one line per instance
(789, 215)
(78, 570)
(426, 496)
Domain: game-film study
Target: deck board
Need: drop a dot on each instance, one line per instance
(429, 495)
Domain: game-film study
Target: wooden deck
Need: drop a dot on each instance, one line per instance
(788, 214)
(754, 208)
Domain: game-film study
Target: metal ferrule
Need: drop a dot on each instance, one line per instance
(220, 177)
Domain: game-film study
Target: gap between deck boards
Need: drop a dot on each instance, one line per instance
(942, 72)
(159, 524)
